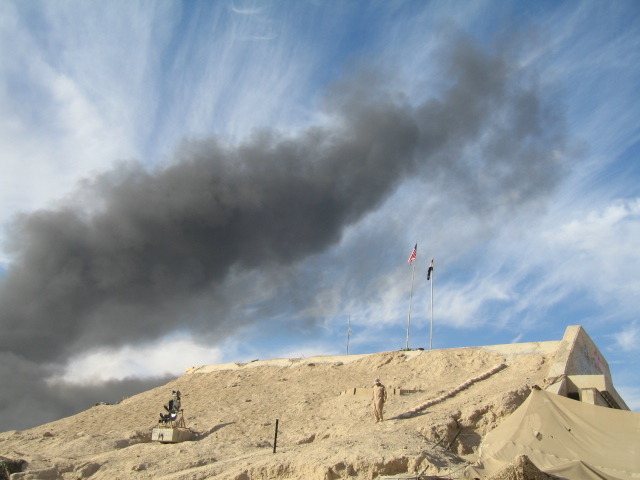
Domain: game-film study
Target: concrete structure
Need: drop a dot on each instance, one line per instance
(580, 371)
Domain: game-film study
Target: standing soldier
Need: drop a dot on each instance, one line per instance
(379, 397)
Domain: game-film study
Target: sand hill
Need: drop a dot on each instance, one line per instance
(450, 399)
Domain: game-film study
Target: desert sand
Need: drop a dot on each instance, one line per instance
(326, 428)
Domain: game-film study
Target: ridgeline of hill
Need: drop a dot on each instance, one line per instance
(326, 428)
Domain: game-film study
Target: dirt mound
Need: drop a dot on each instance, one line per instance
(323, 433)
(521, 468)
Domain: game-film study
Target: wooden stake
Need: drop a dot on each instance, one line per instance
(275, 439)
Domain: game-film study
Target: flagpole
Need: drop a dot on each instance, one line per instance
(431, 271)
(413, 271)
(348, 333)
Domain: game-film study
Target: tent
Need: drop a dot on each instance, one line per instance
(566, 438)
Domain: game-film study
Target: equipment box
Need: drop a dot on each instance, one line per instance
(170, 435)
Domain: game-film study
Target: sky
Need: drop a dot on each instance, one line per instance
(192, 183)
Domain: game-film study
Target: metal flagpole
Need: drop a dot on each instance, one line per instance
(410, 299)
(413, 261)
(431, 329)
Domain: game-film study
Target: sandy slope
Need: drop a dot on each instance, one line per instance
(322, 434)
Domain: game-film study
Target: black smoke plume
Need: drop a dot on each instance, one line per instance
(131, 258)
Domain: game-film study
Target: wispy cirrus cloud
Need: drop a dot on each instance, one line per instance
(524, 194)
(629, 337)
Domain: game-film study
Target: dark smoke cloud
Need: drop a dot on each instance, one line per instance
(140, 251)
(27, 399)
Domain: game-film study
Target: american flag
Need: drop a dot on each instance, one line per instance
(414, 254)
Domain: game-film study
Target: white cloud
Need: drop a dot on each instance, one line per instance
(592, 250)
(598, 252)
(517, 338)
(63, 116)
(628, 339)
(170, 356)
(461, 305)
(600, 229)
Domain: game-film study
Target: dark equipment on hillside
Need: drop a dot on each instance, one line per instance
(171, 426)
(173, 411)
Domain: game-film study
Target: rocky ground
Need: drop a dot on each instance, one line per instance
(323, 433)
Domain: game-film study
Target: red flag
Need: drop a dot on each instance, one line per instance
(414, 254)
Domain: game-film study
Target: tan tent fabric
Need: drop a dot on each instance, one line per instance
(566, 438)
(578, 469)
(520, 468)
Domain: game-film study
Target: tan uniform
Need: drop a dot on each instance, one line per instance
(379, 397)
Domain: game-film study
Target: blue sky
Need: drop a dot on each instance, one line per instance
(517, 172)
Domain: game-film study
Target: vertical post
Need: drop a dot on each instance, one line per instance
(275, 438)
(431, 271)
(348, 333)
(410, 300)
